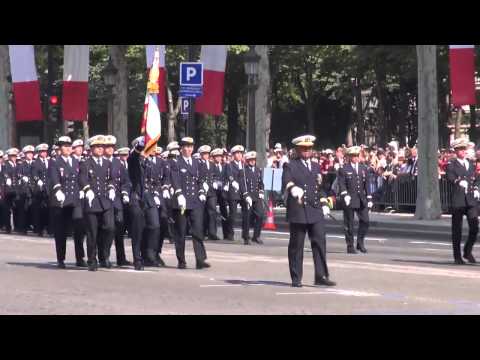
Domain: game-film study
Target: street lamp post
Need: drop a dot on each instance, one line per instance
(251, 59)
(109, 76)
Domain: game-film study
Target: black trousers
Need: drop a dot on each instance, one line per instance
(62, 226)
(119, 235)
(12, 204)
(196, 230)
(363, 224)
(150, 230)
(79, 233)
(210, 217)
(255, 219)
(232, 208)
(316, 234)
(457, 221)
(99, 225)
(41, 214)
(4, 215)
(222, 204)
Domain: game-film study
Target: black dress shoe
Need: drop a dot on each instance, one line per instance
(324, 281)
(160, 262)
(297, 285)
(124, 263)
(351, 250)
(93, 266)
(61, 265)
(258, 241)
(229, 238)
(246, 241)
(182, 265)
(81, 264)
(151, 263)
(139, 266)
(361, 248)
(106, 264)
(459, 262)
(213, 237)
(203, 265)
(470, 258)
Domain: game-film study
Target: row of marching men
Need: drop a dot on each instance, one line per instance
(100, 194)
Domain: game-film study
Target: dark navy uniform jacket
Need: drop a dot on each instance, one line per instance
(210, 176)
(456, 172)
(26, 170)
(233, 173)
(188, 181)
(161, 170)
(121, 181)
(64, 177)
(355, 185)
(40, 172)
(295, 173)
(253, 184)
(145, 185)
(99, 179)
(13, 172)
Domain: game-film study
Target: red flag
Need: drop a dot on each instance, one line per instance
(26, 89)
(214, 59)
(462, 74)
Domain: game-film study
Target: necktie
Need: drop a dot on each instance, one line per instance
(99, 162)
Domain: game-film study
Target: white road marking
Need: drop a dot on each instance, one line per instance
(429, 243)
(221, 285)
(340, 292)
(328, 236)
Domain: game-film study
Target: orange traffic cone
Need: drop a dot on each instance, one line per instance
(270, 223)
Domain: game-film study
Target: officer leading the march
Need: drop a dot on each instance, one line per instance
(461, 174)
(252, 190)
(64, 193)
(354, 187)
(306, 207)
(190, 196)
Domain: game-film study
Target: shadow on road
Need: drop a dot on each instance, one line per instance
(45, 266)
(430, 262)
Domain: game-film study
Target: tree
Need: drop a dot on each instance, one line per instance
(263, 111)
(6, 120)
(428, 192)
(120, 99)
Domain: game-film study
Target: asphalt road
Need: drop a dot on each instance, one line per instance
(399, 275)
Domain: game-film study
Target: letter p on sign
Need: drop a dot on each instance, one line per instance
(191, 74)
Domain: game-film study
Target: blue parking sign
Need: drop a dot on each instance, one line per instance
(191, 74)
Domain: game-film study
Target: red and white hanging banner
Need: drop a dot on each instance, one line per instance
(214, 59)
(150, 54)
(75, 82)
(26, 89)
(462, 74)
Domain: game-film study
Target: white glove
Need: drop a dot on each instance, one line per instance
(90, 195)
(182, 202)
(297, 192)
(347, 199)
(463, 184)
(40, 183)
(326, 210)
(157, 200)
(140, 141)
(166, 194)
(111, 194)
(215, 185)
(9, 182)
(336, 166)
(206, 187)
(125, 199)
(235, 185)
(25, 179)
(261, 196)
(370, 204)
(226, 188)
(82, 194)
(202, 198)
(476, 194)
(249, 201)
(60, 196)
